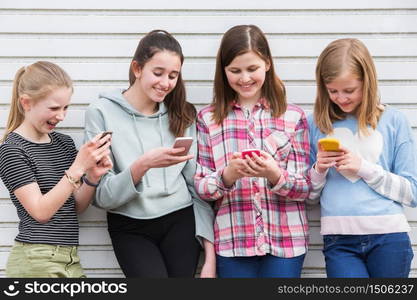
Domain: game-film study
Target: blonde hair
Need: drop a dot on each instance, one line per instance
(35, 81)
(339, 56)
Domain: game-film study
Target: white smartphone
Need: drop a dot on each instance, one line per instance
(185, 142)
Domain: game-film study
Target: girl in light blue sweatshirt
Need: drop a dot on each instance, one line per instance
(154, 213)
(363, 187)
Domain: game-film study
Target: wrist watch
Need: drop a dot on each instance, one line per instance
(88, 182)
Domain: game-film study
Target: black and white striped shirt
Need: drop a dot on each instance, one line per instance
(23, 162)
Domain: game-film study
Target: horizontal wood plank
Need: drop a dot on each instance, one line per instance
(199, 46)
(292, 24)
(202, 5)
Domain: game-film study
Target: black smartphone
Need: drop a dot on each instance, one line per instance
(103, 135)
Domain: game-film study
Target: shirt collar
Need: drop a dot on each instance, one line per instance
(261, 103)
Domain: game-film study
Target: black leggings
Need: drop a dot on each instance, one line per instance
(162, 247)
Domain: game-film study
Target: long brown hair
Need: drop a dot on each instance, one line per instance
(236, 41)
(35, 81)
(181, 113)
(340, 56)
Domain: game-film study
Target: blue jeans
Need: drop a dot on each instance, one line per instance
(266, 266)
(374, 255)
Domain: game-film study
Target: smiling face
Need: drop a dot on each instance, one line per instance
(158, 77)
(346, 92)
(246, 76)
(43, 115)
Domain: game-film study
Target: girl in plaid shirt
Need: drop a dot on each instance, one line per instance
(261, 226)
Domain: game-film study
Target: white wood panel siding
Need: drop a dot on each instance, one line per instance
(94, 41)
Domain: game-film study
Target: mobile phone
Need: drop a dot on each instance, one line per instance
(249, 152)
(185, 142)
(330, 144)
(103, 135)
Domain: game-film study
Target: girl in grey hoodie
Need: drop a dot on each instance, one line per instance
(154, 213)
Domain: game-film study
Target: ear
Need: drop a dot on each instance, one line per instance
(26, 102)
(267, 65)
(136, 69)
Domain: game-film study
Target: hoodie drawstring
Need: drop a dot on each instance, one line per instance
(141, 145)
(162, 144)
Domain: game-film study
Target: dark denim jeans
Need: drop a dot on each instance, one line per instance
(266, 266)
(373, 255)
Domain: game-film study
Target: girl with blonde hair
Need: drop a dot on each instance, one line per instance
(363, 187)
(48, 180)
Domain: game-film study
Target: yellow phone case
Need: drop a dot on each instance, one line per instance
(330, 144)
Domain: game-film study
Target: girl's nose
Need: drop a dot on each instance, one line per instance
(60, 116)
(245, 78)
(342, 97)
(164, 83)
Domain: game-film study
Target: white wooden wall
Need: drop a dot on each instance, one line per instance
(94, 41)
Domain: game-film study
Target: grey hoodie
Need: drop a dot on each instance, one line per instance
(161, 190)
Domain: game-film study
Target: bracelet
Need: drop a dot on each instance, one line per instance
(74, 182)
(88, 182)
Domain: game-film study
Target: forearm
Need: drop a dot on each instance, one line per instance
(318, 181)
(390, 185)
(294, 187)
(209, 252)
(294, 183)
(46, 206)
(210, 186)
(85, 194)
(209, 267)
(228, 178)
(138, 169)
(116, 190)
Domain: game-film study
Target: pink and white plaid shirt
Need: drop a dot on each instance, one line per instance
(253, 217)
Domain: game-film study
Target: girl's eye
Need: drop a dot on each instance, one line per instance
(157, 74)
(253, 69)
(235, 71)
(349, 92)
(332, 92)
(172, 77)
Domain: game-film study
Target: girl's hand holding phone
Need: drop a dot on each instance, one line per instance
(327, 159)
(164, 157)
(231, 172)
(350, 162)
(252, 165)
(263, 165)
(90, 154)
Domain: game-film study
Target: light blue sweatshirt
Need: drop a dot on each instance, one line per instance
(371, 201)
(161, 190)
